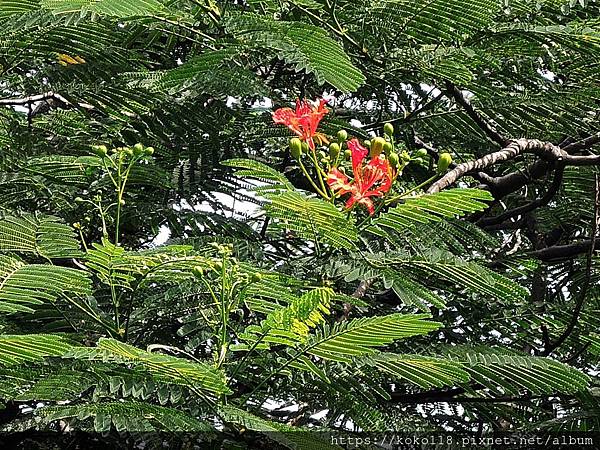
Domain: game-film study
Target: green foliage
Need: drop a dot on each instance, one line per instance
(17, 349)
(432, 208)
(44, 236)
(213, 286)
(343, 341)
(163, 367)
(22, 285)
(311, 218)
(125, 416)
(306, 46)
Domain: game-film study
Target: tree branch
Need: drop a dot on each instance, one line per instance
(485, 126)
(31, 99)
(560, 252)
(583, 144)
(544, 150)
(586, 282)
(425, 107)
(547, 151)
(519, 211)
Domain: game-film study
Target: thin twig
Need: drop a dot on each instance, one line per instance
(586, 282)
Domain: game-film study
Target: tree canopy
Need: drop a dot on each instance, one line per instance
(191, 241)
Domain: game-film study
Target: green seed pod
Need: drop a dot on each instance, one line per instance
(388, 129)
(149, 151)
(334, 150)
(342, 135)
(295, 148)
(348, 154)
(377, 146)
(444, 162)
(198, 271)
(421, 153)
(394, 159)
(138, 149)
(388, 148)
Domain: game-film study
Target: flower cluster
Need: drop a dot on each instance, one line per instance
(304, 121)
(373, 179)
(375, 165)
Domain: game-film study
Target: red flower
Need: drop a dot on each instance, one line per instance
(304, 120)
(371, 180)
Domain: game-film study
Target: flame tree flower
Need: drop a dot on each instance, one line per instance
(304, 120)
(373, 179)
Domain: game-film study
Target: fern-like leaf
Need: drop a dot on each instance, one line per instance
(359, 337)
(168, 368)
(19, 349)
(427, 208)
(312, 218)
(23, 284)
(126, 416)
(41, 235)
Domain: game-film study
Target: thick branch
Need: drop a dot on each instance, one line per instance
(31, 99)
(451, 396)
(582, 144)
(561, 252)
(519, 211)
(544, 150)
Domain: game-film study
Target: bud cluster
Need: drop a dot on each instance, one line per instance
(137, 151)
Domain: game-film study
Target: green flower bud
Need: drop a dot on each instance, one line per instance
(388, 148)
(305, 147)
(198, 272)
(256, 277)
(444, 162)
(138, 149)
(421, 153)
(342, 135)
(79, 200)
(122, 202)
(367, 143)
(295, 148)
(128, 152)
(100, 150)
(334, 150)
(388, 129)
(348, 154)
(149, 151)
(377, 146)
(394, 159)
